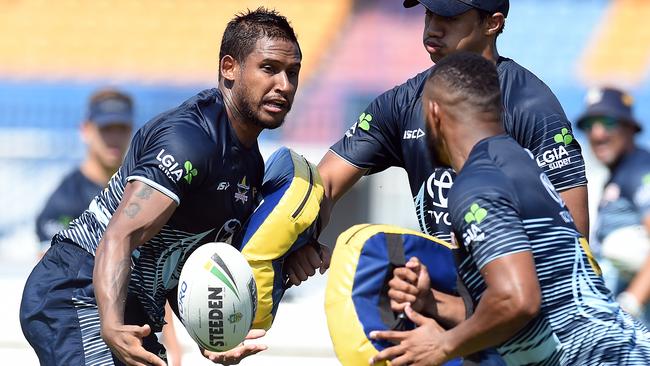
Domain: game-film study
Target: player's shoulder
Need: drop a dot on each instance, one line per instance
(641, 159)
(523, 90)
(484, 173)
(72, 183)
(407, 93)
(68, 190)
(188, 124)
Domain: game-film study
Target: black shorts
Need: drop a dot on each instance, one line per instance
(59, 315)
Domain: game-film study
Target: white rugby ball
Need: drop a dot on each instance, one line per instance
(217, 297)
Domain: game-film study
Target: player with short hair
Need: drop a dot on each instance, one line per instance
(610, 125)
(538, 294)
(390, 131)
(190, 177)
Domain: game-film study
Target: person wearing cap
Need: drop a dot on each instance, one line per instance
(623, 222)
(391, 132)
(106, 131)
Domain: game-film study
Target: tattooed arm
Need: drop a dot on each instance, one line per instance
(141, 214)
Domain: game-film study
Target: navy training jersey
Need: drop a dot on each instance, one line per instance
(192, 155)
(502, 203)
(626, 197)
(391, 132)
(66, 203)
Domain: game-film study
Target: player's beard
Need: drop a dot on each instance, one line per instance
(251, 111)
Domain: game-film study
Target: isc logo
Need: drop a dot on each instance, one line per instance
(413, 134)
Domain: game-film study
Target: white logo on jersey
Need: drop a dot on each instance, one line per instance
(473, 234)
(437, 189)
(242, 191)
(223, 186)
(554, 158)
(413, 134)
(169, 165)
(351, 130)
(443, 185)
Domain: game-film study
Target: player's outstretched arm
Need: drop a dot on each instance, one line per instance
(338, 177)
(141, 214)
(576, 200)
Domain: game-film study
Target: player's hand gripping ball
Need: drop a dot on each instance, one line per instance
(217, 297)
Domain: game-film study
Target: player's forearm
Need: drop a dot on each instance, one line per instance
(110, 278)
(448, 310)
(338, 176)
(576, 200)
(497, 318)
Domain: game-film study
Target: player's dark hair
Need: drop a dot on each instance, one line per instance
(472, 77)
(243, 32)
(483, 16)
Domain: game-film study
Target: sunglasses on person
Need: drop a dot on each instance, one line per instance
(608, 122)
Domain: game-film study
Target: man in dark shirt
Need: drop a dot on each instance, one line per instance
(537, 291)
(391, 132)
(190, 177)
(622, 233)
(106, 132)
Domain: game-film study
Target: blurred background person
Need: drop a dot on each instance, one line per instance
(106, 132)
(623, 220)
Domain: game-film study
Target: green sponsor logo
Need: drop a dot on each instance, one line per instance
(563, 137)
(65, 220)
(217, 273)
(476, 213)
(364, 121)
(190, 172)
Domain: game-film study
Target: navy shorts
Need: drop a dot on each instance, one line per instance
(58, 312)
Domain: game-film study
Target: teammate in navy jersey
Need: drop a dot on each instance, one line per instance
(106, 131)
(190, 177)
(391, 132)
(538, 294)
(625, 204)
